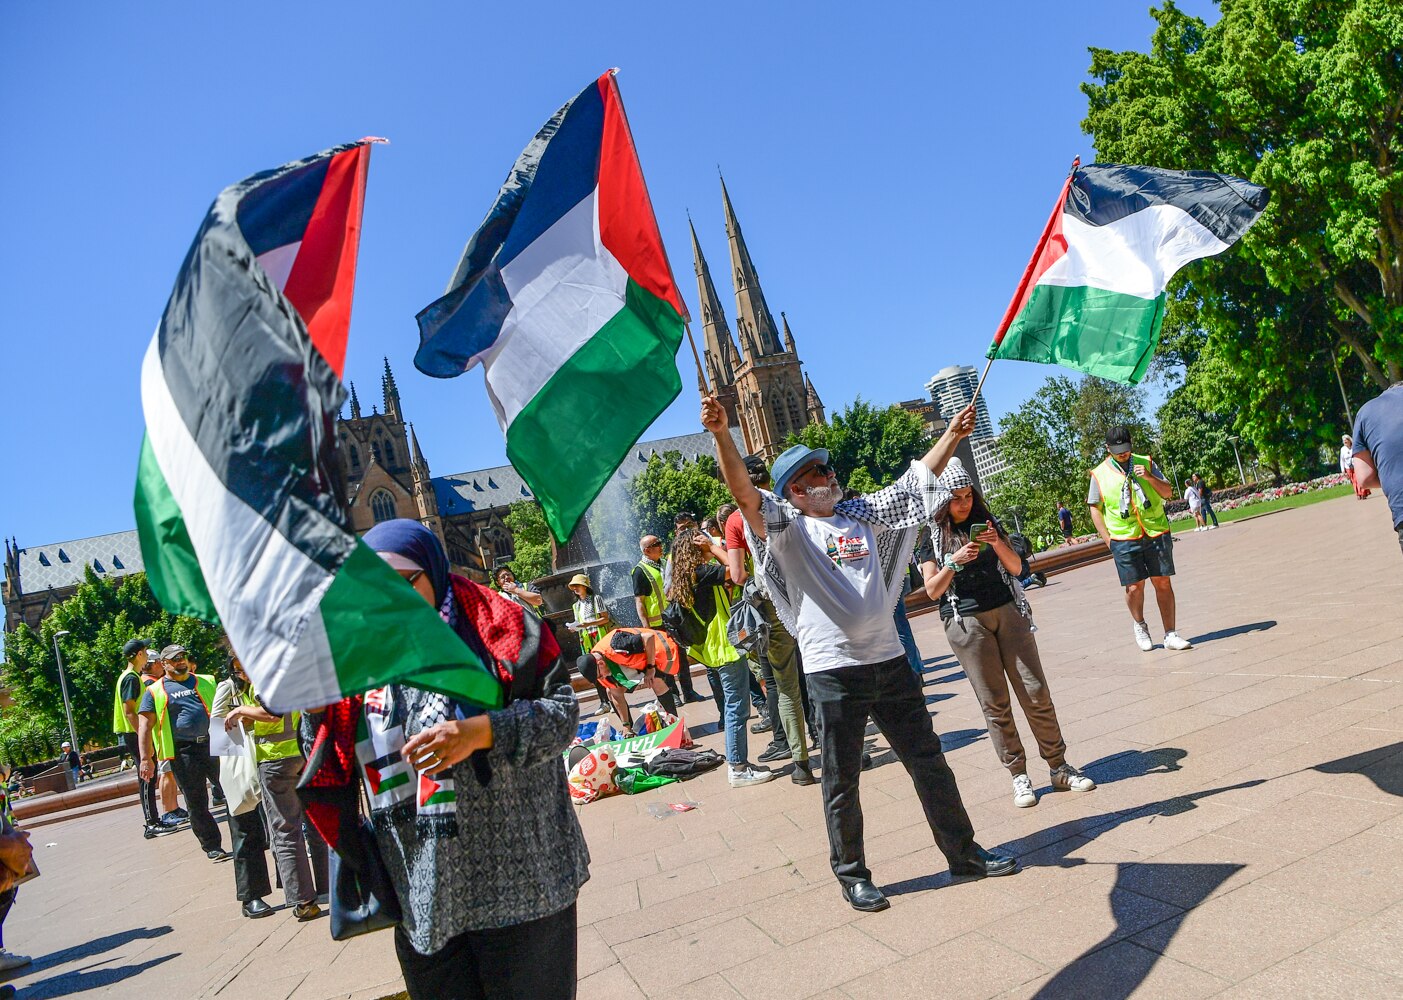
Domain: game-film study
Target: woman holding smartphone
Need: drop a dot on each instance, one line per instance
(972, 571)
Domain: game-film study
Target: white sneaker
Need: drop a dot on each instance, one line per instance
(1142, 637)
(1023, 794)
(1068, 779)
(744, 776)
(1173, 640)
(9, 960)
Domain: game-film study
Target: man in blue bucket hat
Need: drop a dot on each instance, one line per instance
(834, 569)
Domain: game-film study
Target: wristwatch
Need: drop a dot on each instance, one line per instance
(950, 564)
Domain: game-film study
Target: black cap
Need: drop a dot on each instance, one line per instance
(684, 517)
(759, 471)
(587, 667)
(135, 646)
(1118, 438)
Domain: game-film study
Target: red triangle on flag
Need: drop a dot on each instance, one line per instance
(427, 787)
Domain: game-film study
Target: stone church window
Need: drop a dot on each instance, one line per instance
(777, 408)
(382, 506)
(389, 454)
(375, 450)
(355, 457)
(796, 415)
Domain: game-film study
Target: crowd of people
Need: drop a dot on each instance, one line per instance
(479, 851)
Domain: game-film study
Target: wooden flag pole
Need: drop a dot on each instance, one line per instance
(1028, 274)
(702, 385)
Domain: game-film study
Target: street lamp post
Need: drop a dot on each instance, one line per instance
(63, 683)
(1240, 474)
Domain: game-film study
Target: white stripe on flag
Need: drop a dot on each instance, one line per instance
(564, 287)
(277, 262)
(1136, 255)
(263, 587)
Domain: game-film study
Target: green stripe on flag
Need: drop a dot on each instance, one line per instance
(172, 567)
(392, 782)
(575, 432)
(1108, 334)
(441, 797)
(382, 632)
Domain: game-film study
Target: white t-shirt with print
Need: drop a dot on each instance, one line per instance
(842, 604)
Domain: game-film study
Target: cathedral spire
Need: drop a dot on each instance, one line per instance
(752, 314)
(391, 391)
(716, 334)
(421, 467)
(788, 337)
(355, 403)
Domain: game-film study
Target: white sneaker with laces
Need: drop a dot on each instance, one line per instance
(1142, 637)
(9, 960)
(1173, 640)
(1068, 779)
(744, 776)
(1023, 794)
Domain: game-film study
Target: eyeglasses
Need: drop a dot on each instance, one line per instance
(822, 469)
(410, 575)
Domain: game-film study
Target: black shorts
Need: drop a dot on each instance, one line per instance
(1140, 558)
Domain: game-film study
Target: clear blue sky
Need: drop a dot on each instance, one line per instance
(892, 166)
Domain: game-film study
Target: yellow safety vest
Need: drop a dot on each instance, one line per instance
(119, 715)
(716, 649)
(273, 740)
(654, 603)
(163, 737)
(1147, 520)
(589, 635)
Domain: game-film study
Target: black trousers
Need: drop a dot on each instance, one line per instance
(889, 694)
(248, 835)
(531, 961)
(147, 789)
(192, 767)
(7, 900)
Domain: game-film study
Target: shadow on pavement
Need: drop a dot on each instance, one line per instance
(1226, 633)
(1099, 973)
(931, 699)
(958, 675)
(68, 983)
(959, 738)
(1134, 764)
(1384, 767)
(95, 947)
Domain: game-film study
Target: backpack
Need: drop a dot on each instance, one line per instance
(684, 624)
(746, 629)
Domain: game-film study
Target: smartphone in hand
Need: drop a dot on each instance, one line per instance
(975, 530)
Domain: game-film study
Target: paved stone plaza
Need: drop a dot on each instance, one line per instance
(1246, 840)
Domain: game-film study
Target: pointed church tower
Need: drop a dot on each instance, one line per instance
(753, 319)
(815, 404)
(788, 337)
(355, 403)
(391, 391)
(425, 496)
(719, 351)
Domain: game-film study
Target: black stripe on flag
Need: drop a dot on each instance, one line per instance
(257, 397)
(1224, 205)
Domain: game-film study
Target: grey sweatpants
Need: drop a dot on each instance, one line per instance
(284, 809)
(997, 651)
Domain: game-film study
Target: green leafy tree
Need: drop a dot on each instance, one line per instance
(1052, 442)
(530, 540)
(1304, 97)
(868, 445)
(100, 617)
(669, 484)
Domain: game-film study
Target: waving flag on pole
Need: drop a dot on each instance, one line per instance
(565, 296)
(237, 494)
(1093, 295)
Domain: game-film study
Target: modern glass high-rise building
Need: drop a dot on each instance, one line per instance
(951, 389)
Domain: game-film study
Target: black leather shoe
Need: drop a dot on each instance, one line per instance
(865, 896)
(984, 864)
(775, 751)
(256, 908)
(218, 854)
(802, 773)
(694, 698)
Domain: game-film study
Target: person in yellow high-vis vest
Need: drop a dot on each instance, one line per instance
(649, 601)
(280, 763)
(1126, 498)
(173, 724)
(125, 698)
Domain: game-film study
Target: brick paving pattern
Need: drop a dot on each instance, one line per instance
(1246, 839)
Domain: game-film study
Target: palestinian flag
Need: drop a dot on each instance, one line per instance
(1092, 297)
(237, 496)
(565, 296)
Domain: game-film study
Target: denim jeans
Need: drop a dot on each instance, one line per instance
(908, 642)
(735, 693)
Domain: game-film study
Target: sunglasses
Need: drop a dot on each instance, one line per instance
(821, 469)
